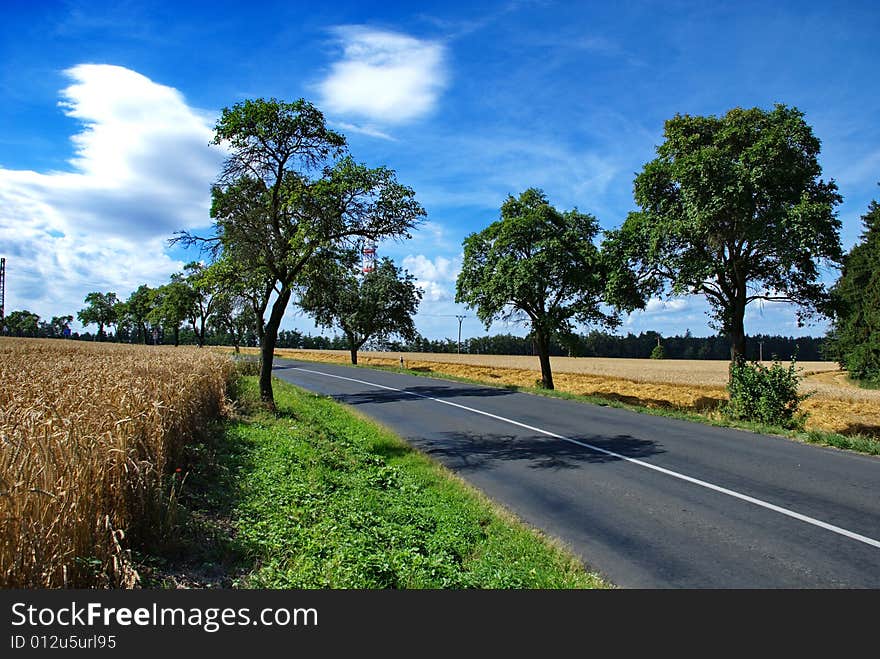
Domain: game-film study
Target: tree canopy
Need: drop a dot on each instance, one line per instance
(101, 309)
(206, 292)
(22, 323)
(855, 330)
(376, 305)
(538, 264)
(172, 304)
(137, 309)
(733, 208)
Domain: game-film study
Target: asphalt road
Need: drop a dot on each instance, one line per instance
(647, 501)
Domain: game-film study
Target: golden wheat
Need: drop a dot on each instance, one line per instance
(89, 438)
(836, 404)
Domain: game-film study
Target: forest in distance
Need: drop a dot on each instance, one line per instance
(592, 344)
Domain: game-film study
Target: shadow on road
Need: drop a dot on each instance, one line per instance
(429, 391)
(472, 451)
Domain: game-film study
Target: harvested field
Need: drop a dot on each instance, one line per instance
(699, 385)
(90, 435)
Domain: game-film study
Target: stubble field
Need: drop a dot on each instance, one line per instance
(836, 405)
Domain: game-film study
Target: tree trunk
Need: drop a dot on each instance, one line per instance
(542, 342)
(737, 340)
(176, 335)
(267, 348)
(201, 334)
(352, 348)
(737, 329)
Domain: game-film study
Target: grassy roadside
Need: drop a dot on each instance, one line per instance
(316, 497)
(856, 442)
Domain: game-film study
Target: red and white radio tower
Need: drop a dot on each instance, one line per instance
(368, 257)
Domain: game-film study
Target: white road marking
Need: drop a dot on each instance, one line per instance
(662, 470)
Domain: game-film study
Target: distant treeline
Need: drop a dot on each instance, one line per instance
(594, 344)
(600, 344)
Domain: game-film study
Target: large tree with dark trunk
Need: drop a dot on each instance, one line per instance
(286, 192)
(734, 209)
(539, 265)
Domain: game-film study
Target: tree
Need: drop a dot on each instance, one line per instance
(22, 323)
(235, 318)
(285, 193)
(377, 305)
(734, 209)
(102, 310)
(239, 303)
(854, 339)
(245, 293)
(540, 265)
(173, 303)
(205, 293)
(138, 307)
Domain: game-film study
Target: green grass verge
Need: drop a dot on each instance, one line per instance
(317, 497)
(859, 443)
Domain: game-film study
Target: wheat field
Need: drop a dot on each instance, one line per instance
(89, 439)
(835, 405)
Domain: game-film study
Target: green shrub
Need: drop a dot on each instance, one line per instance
(767, 395)
(658, 352)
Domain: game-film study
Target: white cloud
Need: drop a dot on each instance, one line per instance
(436, 277)
(141, 169)
(383, 77)
(424, 268)
(655, 305)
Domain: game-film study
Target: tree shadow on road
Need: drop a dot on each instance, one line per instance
(415, 393)
(473, 451)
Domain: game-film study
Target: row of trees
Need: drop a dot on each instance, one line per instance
(592, 344)
(632, 346)
(733, 209)
(375, 305)
(193, 296)
(26, 323)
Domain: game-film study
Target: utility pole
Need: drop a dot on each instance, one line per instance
(2, 291)
(760, 351)
(460, 318)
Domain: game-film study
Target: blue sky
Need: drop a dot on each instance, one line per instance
(108, 109)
